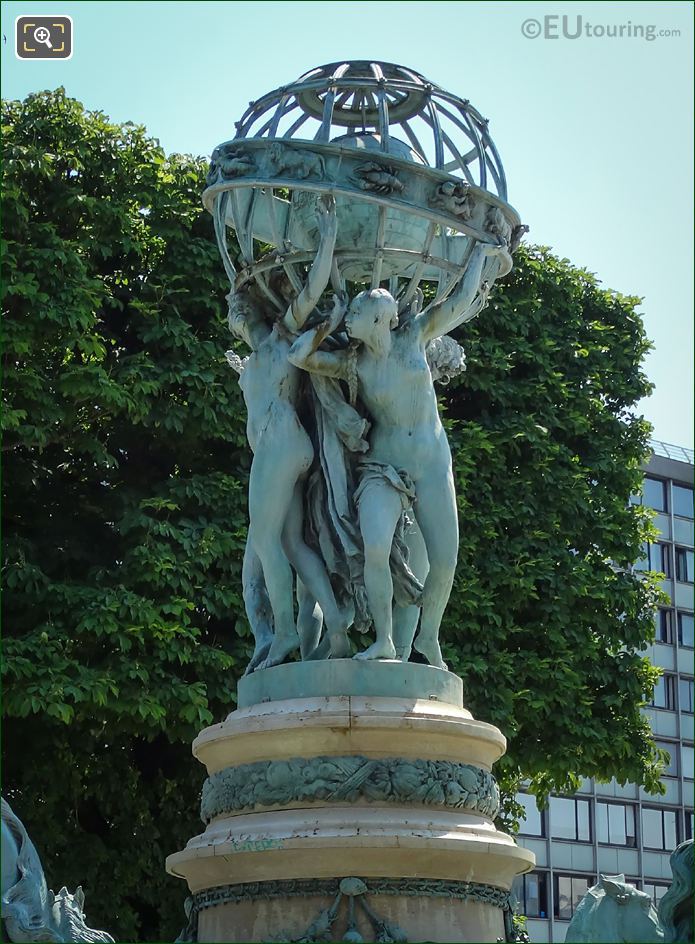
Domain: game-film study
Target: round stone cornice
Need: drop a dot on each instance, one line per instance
(342, 725)
(340, 841)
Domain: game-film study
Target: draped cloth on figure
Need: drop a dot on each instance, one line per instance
(407, 589)
(332, 501)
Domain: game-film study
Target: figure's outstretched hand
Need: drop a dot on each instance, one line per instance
(334, 317)
(415, 306)
(325, 215)
(341, 301)
(412, 309)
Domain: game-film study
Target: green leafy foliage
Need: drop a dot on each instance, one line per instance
(125, 469)
(546, 620)
(125, 474)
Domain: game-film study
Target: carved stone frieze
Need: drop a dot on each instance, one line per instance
(348, 779)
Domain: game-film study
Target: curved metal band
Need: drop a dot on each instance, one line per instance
(341, 255)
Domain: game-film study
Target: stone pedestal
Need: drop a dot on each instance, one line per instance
(350, 801)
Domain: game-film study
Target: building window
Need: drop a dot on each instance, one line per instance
(656, 890)
(532, 823)
(688, 761)
(671, 768)
(569, 891)
(655, 557)
(689, 818)
(685, 564)
(569, 819)
(615, 824)
(642, 562)
(665, 693)
(659, 829)
(660, 558)
(686, 694)
(654, 494)
(682, 501)
(663, 626)
(686, 630)
(532, 893)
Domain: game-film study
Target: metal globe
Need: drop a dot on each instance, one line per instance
(415, 175)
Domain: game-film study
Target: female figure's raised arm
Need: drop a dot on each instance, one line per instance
(468, 298)
(305, 352)
(320, 271)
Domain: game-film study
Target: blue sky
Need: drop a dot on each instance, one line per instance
(595, 132)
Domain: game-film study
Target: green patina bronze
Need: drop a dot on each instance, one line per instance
(351, 496)
(355, 890)
(30, 910)
(327, 678)
(676, 907)
(349, 779)
(615, 910)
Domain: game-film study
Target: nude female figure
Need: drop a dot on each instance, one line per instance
(257, 603)
(282, 455)
(396, 387)
(446, 359)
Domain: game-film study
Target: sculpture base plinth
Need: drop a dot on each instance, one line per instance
(355, 810)
(422, 911)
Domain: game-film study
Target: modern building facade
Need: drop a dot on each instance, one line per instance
(605, 827)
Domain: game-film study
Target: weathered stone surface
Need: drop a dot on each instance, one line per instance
(442, 911)
(373, 727)
(349, 785)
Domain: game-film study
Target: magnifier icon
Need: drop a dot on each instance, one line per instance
(43, 35)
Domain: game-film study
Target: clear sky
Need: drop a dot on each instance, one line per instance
(595, 132)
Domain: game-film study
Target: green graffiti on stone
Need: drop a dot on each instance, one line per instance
(348, 779)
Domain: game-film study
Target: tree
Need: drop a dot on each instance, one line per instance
(125, 468)
(547, 619)
(125, 519)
